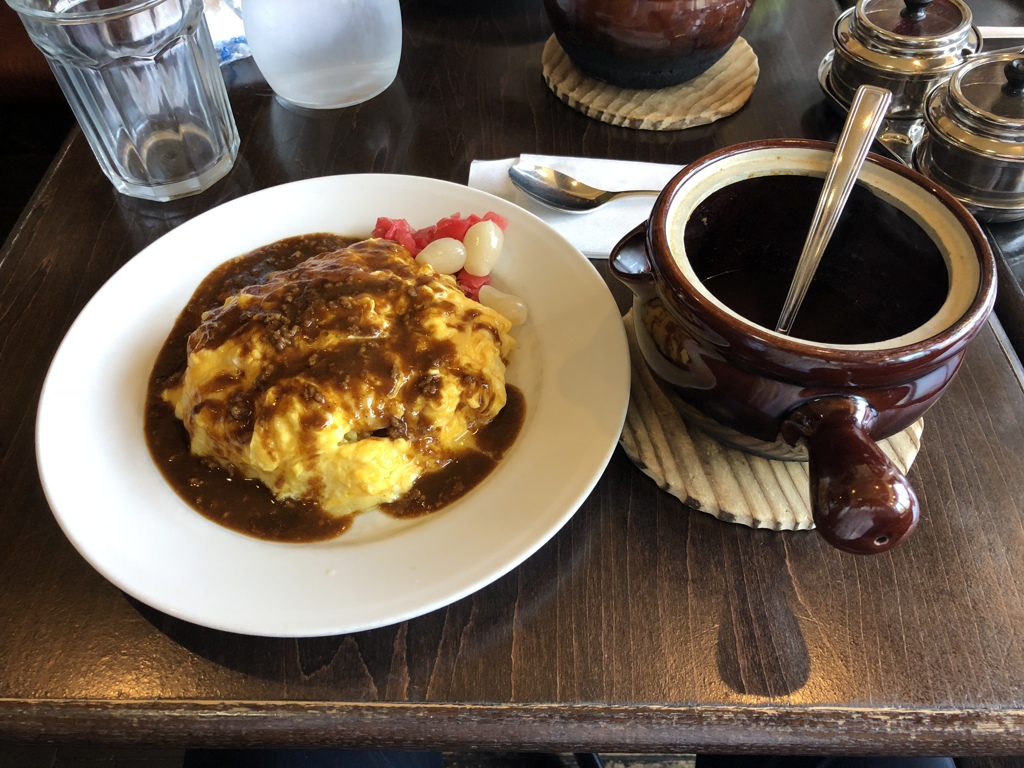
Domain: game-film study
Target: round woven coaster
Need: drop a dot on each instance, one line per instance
(717, 93)
(706, 475)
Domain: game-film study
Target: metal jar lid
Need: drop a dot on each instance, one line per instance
(914, 38)
(981, 108)
(974, 136)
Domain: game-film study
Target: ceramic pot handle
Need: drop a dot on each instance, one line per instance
(860, 501)
(628, 260)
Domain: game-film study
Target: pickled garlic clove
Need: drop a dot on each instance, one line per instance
(483, 243)
(446, 255)
(511, 307)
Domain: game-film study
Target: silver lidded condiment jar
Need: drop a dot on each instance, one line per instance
(906, 46)
(973, 143)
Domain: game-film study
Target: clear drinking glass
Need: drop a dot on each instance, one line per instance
(142, 79)
(325, 54)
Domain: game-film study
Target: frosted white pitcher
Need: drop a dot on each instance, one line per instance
(325, 54)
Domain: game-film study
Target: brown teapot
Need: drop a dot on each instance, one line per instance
(646, 43)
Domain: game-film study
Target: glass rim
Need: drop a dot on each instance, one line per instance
(126, 8)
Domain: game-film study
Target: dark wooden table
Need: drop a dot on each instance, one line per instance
(641, 626)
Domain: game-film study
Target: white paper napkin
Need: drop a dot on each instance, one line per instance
(594, 233)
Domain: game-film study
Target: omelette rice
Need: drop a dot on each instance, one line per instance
(343, 379)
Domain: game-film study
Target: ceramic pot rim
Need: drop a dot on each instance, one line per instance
(765, 349)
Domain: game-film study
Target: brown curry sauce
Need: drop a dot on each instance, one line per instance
(247, 506)
(880, 277)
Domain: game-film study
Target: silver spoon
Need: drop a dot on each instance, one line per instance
(564, 193)
(866, 114)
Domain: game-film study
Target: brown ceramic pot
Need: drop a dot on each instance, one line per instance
(810, 397)
(646, 43)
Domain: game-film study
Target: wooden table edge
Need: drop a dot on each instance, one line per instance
(518, 727)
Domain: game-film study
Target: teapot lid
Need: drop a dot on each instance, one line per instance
(916, 19)
(982, 105)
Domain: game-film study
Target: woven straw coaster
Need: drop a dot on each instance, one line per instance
(717, 93)
(708, 476)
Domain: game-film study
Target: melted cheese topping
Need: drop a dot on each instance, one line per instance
(344, 379)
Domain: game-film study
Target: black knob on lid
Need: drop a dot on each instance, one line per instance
(1014, 71)
(914, 10)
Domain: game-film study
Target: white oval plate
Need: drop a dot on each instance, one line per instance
(572, 363)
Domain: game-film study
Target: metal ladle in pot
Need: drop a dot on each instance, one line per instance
(866, 115)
